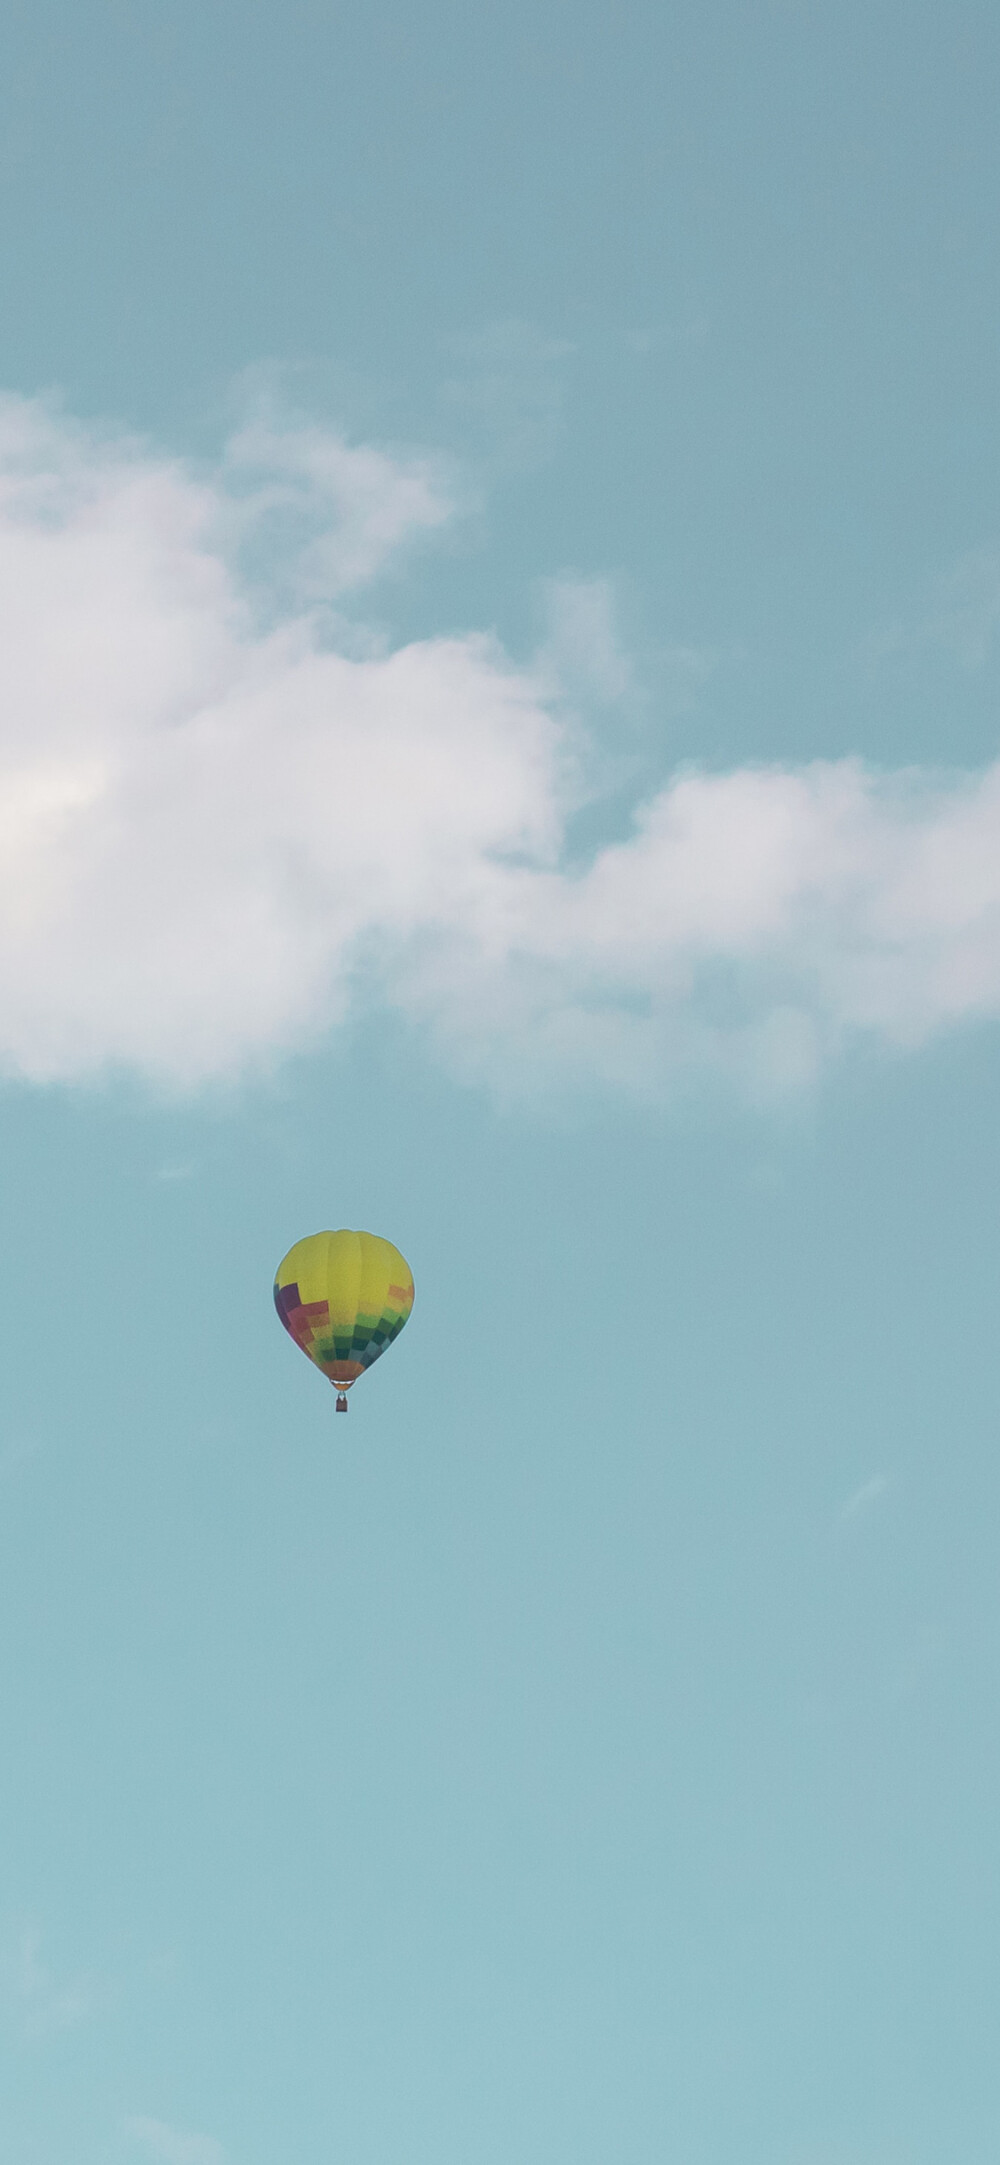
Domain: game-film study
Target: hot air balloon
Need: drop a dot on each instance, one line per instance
(343, 1297)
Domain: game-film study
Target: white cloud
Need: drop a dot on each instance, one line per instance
(508, 391)
(222, 828)
(36, 2003)
(967, 618)
(337, 510)
(172, 2147)
(864, 1497)
(583, 653)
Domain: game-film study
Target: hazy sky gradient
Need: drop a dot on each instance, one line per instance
(499, 669)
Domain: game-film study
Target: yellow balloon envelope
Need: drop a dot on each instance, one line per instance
(343, 1297)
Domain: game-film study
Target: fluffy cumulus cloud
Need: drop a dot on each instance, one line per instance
(230, 816)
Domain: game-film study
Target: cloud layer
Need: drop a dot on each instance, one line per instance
(230, 817)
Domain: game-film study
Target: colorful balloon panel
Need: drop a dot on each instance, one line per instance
(343, 1297)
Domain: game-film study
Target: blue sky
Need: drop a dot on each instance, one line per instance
(499, 665)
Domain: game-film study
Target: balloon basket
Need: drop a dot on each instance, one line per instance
(341, 1403)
